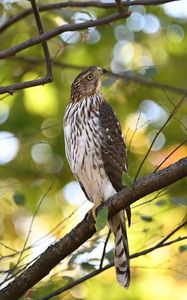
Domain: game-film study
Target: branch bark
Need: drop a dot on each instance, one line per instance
(85, 229)
(92, 274)
(125, 76)
(96, 4)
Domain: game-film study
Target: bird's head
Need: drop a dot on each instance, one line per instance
(87, 83)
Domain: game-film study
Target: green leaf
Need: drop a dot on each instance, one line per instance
(146, 218)
(101, 219)
(182, 248)
(19, 198)
(127, 180)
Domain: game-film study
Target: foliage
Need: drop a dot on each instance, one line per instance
(40, 200)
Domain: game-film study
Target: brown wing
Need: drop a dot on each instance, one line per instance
(113, 148)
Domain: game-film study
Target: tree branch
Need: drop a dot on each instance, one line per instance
(67, 27)
(160, 244)
(46, 36)
(48, 78)
(85, 229)
(125, 76)
(44, 43)
(95, 4)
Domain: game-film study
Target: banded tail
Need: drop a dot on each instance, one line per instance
(118, 227)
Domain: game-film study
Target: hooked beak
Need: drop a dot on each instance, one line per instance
(104, 71)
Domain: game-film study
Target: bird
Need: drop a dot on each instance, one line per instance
(97, 155)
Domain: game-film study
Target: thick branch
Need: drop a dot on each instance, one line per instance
(85, 229)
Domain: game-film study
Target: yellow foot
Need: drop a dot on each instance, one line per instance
(94, 208)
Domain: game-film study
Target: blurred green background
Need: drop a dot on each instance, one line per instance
(40, 200)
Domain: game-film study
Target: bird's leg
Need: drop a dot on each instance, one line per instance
(96, 204)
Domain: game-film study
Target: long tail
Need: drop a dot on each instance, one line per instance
(118, 227)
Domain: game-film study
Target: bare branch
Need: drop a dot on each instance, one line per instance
(96, 4)
(125, 76)
(85, 229)
(67, 27)
(44, 43)
(170, 154)
(135, 255)
(44, 37)
(41, 81)
(104, 249)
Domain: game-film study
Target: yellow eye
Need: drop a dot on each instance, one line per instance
(89, 77)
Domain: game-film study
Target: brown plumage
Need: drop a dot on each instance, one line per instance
(96, 153)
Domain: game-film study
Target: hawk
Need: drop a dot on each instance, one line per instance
(97, 154)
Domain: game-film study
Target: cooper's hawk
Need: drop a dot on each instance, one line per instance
(96, 153)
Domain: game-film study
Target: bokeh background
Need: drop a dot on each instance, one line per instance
(40, 200)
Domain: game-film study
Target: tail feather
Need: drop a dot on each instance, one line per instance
(117, 225)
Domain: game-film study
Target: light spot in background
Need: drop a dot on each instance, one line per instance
(73, 193)
(41, 100)
(124, 52)
(153, 112)
(4, 112)
(123, 33)
(47, 161)
(80, 17)
(176, 9)
(136, 22)
(128, 55)
(139, 8)
(134, 131)
(93, 37)
(41, 153)
(151, 24)
(54, 165)
(71, 37)
(159, 142)
(175, 33)
(50, 128)
(137, 121)
(9, 146)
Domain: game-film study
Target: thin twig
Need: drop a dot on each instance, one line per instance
(41, 81)
(176, 108)
(125, 76)
(169, 155)
(31, 224)
(44, 43)
(104, 249)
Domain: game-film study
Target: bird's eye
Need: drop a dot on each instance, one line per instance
(89, 77)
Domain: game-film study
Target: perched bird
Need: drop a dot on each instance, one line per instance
(97, 154)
